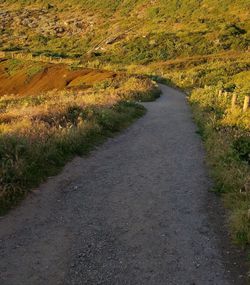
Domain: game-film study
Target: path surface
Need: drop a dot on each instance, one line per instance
(136, 211)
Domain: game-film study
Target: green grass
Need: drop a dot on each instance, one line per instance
(61, 125)
(164, 31)
(34, 69)
(230, 171)
(170, 28)
(225, 132)
(14, 66)
(36, 162)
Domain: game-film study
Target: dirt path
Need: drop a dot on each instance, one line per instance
(136, 211)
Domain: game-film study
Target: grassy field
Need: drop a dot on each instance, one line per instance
(40, 132)
(200, 46)
(122, 31)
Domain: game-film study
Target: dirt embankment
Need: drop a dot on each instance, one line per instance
(49, 77)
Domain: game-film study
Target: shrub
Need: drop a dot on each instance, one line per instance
(242, 147)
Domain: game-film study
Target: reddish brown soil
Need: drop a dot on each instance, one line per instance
(53, 76)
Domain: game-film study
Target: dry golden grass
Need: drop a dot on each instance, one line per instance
(39, 133)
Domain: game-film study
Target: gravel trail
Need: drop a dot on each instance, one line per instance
(135, 211)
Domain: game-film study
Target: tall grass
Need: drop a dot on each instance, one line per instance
(38, 134)
(225, 130)
(226, 134)
(210, 82)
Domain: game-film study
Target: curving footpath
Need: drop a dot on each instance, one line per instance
(136, 211)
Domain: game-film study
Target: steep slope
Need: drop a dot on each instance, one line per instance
(28, 78)
(125, 31)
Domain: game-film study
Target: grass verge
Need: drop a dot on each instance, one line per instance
(59, 126)
(227, 157)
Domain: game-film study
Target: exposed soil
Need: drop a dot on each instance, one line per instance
(52, 76)
(136, 211)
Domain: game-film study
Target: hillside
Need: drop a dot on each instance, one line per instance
(28, 78)
(125, 31)
(50, 48)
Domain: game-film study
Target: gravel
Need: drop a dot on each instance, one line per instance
(137, 210)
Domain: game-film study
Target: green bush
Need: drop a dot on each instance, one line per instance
(242, 147)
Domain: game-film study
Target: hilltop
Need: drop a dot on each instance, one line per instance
(125, 31)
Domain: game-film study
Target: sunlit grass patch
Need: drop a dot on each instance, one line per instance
(38, 134)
